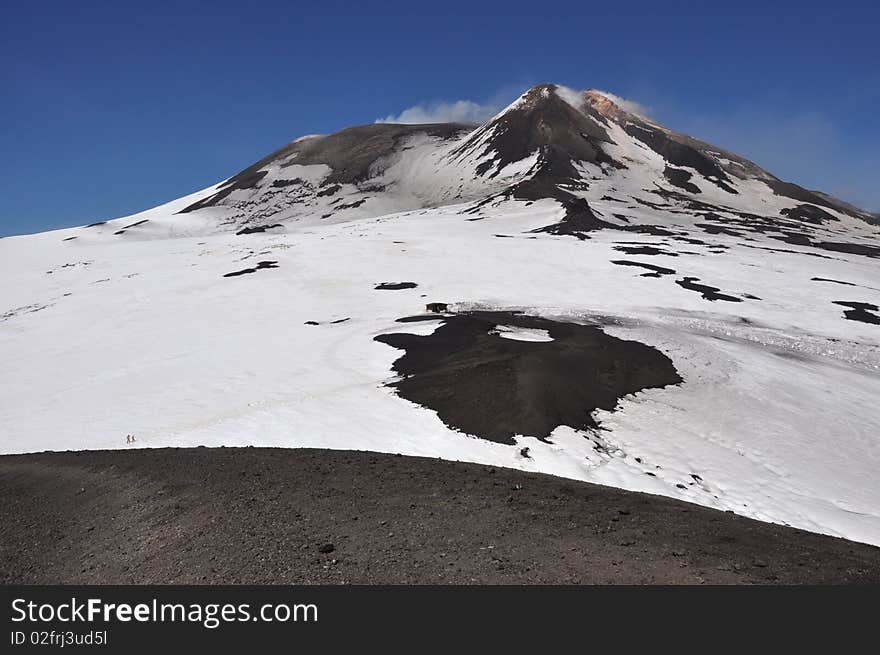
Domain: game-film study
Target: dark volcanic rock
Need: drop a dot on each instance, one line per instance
(654, 230)
(827, 279)
(653, 271)
(680, 179)
(281, 184)
(809, 214)
(418, 319)
(863, 249)
(350, 153)
(644, 250)
(257, 228)
(710, 228)
(678, 153)
(578, 221)
(328, 191)
(128, 227)
(494, 387)
(259, 266)
(796, 192)
(544, 122)
(860, 311)
(709, 293)
(709, 160)
(395, 286)
(201, 516)
(350, 205)
(562, 136)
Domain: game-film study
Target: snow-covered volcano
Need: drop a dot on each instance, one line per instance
(690, 324)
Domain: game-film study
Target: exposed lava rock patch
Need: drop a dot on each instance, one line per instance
(259, 266)
(795, 192)
(710, 228)
(579, 218)
(257, 228)
(419, 318)
(828, 279)
(653, 230)
(395, 286)
(350, 153)
(644, 250)
(860, 311)
(351, 205)
(862, 249)
(328, 191)
(543, 121)
(709, 293)
(494, 388)
(842, 282)
(653, 271)
(809, 214)
(679, 154)
(128, 227)
(280, 184)
(681, 179)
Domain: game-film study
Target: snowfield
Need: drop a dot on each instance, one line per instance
(139, 332)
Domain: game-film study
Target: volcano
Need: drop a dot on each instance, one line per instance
(549, 143)
(610, 301)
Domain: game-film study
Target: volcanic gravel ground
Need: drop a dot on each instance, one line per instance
(255, 515)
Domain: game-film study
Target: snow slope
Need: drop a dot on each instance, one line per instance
(137, 327)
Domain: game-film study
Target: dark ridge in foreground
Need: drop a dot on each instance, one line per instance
(277, 516)
(494, 387)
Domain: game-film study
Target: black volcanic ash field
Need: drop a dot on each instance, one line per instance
(272, 516)
(494, 387)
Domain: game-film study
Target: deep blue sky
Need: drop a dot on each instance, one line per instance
(111, 108)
